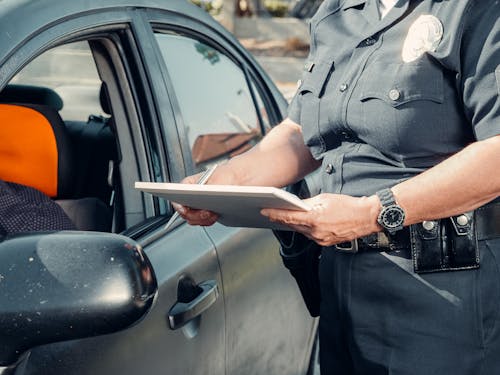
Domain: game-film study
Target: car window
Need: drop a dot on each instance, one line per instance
(214, 97)
(264, 116)
(62, 86)
(71, 72)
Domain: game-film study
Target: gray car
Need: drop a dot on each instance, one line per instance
(148, 90)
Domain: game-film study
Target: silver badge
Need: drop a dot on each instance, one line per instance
(424, 35)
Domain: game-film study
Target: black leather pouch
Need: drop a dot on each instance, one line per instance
(301, 256)
(445, 245)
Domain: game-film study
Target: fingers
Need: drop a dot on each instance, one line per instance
(191, 179)
(299, 219)
(194, 216)
(320, 202)
(179, 208)
(327, 240)
(304, 223)
(320, 237)
(287, 217)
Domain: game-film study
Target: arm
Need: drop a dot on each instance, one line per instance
(281, 158)
(461, 183)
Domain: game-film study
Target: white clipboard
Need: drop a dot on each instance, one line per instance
(237, 206)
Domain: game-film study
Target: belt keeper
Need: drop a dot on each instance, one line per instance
(348, 246)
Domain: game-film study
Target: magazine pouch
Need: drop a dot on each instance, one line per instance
(445, 245)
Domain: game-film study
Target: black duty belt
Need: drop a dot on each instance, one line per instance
(486, 223)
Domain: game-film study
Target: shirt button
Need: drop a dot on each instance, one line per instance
(370, 41)
(394, 94)
(343, 87)
(329, 169)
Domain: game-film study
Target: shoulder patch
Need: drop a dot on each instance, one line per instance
(424, 35)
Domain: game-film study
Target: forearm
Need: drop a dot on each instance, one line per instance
(461, 183)
(279, 159)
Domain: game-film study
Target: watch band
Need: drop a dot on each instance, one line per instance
(386, 197)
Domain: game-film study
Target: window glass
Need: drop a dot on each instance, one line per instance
(264, 117)
(64, 80)
(214, 98)
(71, 72)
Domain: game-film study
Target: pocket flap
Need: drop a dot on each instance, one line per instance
(404, 83)
(315, 77)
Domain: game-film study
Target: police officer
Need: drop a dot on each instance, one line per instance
(399, 107)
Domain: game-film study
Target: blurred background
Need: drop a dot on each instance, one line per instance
(274, 31)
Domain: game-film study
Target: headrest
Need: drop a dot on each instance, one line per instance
(27, 94)
(35, 149)
(104, 99)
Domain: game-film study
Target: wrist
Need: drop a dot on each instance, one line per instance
(372, 208)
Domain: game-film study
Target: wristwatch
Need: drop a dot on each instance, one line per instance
(392, 216)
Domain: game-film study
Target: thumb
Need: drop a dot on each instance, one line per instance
(193, 179)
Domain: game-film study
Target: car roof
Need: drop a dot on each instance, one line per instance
(21, 18)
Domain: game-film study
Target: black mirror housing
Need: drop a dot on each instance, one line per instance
(68, 285)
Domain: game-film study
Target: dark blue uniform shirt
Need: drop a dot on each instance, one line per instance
(382, 100)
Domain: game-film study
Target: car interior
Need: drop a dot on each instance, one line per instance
(71, 161)
(72, 128)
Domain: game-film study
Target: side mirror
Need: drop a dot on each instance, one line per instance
(68, 285)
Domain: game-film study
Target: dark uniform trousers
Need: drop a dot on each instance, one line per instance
(379, 317)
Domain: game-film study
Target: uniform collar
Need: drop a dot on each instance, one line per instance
(352, 3)
(371, 13)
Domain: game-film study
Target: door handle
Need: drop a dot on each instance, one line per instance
(183, 312)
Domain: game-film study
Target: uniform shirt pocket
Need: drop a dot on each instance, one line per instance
(403, 84)
(402, 109)
(315, 77)
(311, 89)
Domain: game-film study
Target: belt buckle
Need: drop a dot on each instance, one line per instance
(348, 247)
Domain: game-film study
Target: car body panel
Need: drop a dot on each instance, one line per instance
(258, 324)
(281, 320)
(151, 345)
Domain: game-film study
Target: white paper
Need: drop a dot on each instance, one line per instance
(237, 206)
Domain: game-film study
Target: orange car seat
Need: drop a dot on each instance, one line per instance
(36, 150)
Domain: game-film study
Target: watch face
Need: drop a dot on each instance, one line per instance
(392, 217)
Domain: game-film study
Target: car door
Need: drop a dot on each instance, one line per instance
(225, 104)
(183, 257)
